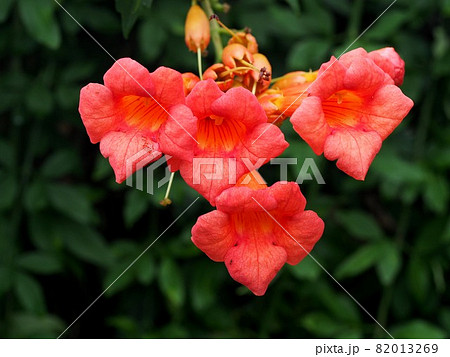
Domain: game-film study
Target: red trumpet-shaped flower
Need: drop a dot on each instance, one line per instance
(127, 114)
(218, 137)
(351, 107)
(256, 230)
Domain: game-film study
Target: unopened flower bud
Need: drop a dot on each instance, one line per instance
(221, 75)
(189, 82)
(196, 29)
(236, 55)
(272, 101)
(261, 77)
(246, 39)
(294, 79)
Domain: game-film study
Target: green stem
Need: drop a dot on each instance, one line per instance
(199, 63)
(215, 29)
(355, 20)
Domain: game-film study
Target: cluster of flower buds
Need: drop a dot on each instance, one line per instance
(217, 129)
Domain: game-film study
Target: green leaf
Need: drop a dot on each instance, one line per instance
(203, 288)
(61, 163)
(125, 280)
(124, 324)
(41, 229)
(359, 224)
(444, 318)
(25, 325)
(8, 191)
(67, 96)
(321, 324)
(152, 37)
(436, 193)
(102, 169)
(5, 279)
(389, 264)
(395, 169)
(171, 282)
(29, 293)
(5, 9)
(338, 304)
(388, 25)
(40, 22)
(7, 156)
(39, 262)
(307, 269)
(305, 55)
(294, 6)
(85, 243)
(130, 10)
(419, 279)
(136, 204)
(418, 329)
(39, 99)
(145, 269)
(72, 201)
(36, 196)
(360, 261)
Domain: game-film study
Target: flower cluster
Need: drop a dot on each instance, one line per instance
(232, 113)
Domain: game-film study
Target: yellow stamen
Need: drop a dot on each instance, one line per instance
(166, 200)
(250, 65)
(254, 88)
(235, 69)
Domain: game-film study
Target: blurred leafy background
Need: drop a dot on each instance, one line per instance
(67, 230)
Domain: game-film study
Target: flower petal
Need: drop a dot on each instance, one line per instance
(330, 79)
(210, 175)
(213, 234)
(354, 150)
(386, 110)
(265, 141)
(128, 152)
(309, 122)
(305, 229)
(243, 199)
(168, 87)
(201, 98)
(364, 76)
(255, 261)
(128, 77)
(177, 134)
(97, 110)
(241, 105)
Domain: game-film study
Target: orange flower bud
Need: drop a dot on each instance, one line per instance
(245, 39)
(272, 101)
(221, 75)
(189, 82)
(196, 29)
(236, 55)
(262, 77)
(294, 79)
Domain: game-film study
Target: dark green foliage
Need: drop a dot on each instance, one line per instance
(67, 230)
